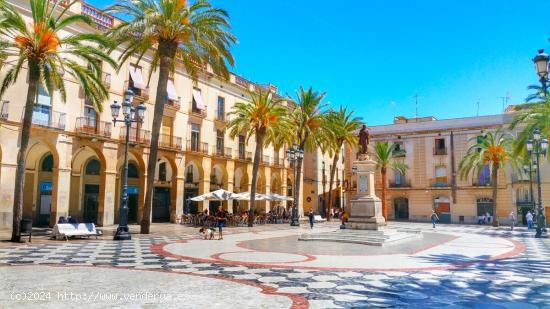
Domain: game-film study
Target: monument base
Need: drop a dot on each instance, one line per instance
(366, 214)
(364, 236)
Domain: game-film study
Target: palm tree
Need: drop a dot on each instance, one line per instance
(384, 157)
(531, 116)
(195, 34)
(265, 119)
(307, 120)
(342, 127)
(540, 93)
(48, 55)
(493, 150)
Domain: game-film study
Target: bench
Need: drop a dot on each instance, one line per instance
(66, 230)
(318, 218)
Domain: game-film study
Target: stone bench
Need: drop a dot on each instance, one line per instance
(66, 230)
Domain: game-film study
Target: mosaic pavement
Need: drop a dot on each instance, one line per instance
(520, 280)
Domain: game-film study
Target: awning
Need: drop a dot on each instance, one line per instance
(198, 99)
(171, 91)
(137, 77)
(218, 195)
(245, 196)
(278, 197)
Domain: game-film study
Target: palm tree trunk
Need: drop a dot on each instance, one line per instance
(255, 168)
(331, 180)
(494, 185)
(384, 208)
(167, 53)
(34, 77)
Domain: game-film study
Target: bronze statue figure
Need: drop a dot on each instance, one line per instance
(363, 139)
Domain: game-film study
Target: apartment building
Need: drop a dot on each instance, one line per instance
(75, 155)
(433, 150)
(317, 167)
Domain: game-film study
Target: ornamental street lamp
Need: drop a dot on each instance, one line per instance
(537, 147)
(294, 155)
(541, 66)
(131, 115)
(324, 195)
(529, 170)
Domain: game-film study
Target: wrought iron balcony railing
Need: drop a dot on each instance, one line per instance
(90, 126)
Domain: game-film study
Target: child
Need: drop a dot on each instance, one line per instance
(208, 233)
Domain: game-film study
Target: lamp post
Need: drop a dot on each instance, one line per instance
(131, 115)
(537, 147)
(541, 66)
(529, 170)
(294, 154)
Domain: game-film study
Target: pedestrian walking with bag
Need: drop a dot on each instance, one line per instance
(434, 218)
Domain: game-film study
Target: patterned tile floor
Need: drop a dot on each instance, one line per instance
(522, 281)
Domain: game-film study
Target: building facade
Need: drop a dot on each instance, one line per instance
(316, 181)
(75, 154)
(433, 149)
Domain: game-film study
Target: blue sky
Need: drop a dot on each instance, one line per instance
(366, 54)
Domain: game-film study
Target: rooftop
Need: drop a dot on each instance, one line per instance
(424, 124)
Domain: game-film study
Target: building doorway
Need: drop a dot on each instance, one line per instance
(45, 203)
(161, 204)
(190, 207)
(401, 205)
(133, 193)
(91, 203)
(442, 207)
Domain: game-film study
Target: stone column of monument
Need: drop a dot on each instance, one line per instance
(366, 207)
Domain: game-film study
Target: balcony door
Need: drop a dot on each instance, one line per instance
(90, 116)
(241, 147)
(195, 136)
(42, 108)
(219, 141)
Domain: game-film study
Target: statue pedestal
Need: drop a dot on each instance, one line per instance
(366, 207)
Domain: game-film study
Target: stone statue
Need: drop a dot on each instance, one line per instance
(363, 139)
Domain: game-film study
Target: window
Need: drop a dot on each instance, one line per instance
(47, 164)
(398, 178)
(484, 178)
(221, 109)
(42, 108)
(162, 171)
(219, 142)
(189, 174)
(441, 175)
(90, 116)
(132, 171)
(398, 150)
(241, 147)
(480, 139)
(93, 167)
(195, 136)
(523, 195)
(440, 148)
(171, 91)
(135, 82)
(197, 105)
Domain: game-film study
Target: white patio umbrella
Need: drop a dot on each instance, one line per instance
(218, 195)
(245, 196)
(280, 198)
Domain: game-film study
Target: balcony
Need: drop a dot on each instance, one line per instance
(278, 162)
(404, 183)
(481, 183)
(227, 153)
(139, 136)
(170, 142)
(175, 104)
(440, 151)
(439, 183)
(89, 126)
(197, 147)
(48, 118)
(200, 113)
(525, 203)
(399, 153)
(4, 112)
(218, 151)
(266, 160)
(139, 94)
(103, 21)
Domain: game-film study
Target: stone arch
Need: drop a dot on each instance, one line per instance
(39, 190)
(165, 190)
(136, 186)
(276, 183)
(193, 173)
(87, 188)
(401, 208)
(240, 182)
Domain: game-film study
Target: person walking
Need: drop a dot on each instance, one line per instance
(434, 218)
(221, 217)
(311, 218)
(529, 219)
(512, 218)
